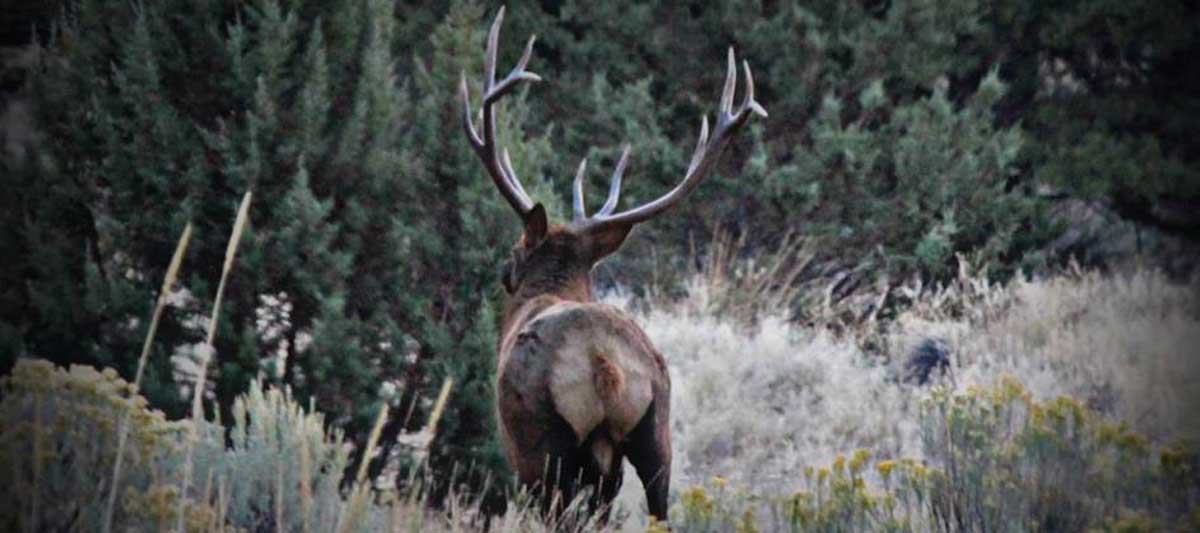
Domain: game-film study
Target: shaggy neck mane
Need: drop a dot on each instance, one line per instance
(540, 294)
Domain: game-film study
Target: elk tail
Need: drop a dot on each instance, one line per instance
(608, 378)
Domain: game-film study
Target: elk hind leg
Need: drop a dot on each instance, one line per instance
(557, 476)
(648, 448)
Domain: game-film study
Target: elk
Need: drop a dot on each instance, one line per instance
(579, 386)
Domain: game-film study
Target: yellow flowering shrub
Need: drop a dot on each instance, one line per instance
(715, 506)
(996, 459)
(58, 442)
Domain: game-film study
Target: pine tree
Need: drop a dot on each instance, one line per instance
(869, 149)
(902, 134)
(1108, 94)
(370, 250)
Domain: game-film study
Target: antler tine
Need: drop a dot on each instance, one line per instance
(748, 102)
(511, 174)
(614, 190)
(726, 106)
(698, 154)
(708, 148)
(468, 124)
(498, 165)
(493, 46)
(580, 211)
(526, 55)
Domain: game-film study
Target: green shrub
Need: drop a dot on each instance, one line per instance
(335, 115)
(59, 442)
(1008, 461)
(278, 468)
(995, 460)
(998, 460)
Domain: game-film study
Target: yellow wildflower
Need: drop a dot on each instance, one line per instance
(860, 458)
(657, 526)
(885, 468)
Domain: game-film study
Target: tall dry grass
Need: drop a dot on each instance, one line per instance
(160, 304)
(239, 226)
(1127, 343)
(757, 407)
(765, 414)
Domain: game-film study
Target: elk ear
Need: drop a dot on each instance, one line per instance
(536, 226)
(603, 240)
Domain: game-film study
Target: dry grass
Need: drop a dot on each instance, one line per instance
(239, 226)
(759, 404)
(742, 289)
(758, 407)
(160, 303)
(1128, 344)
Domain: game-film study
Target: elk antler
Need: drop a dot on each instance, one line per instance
(498, 166)
(703, 158)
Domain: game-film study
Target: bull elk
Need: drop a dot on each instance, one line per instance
(579, 386)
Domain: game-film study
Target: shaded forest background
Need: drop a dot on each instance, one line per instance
(903, 135)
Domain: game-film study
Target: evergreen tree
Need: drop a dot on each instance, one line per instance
(868, 148)
(370, 250)
(901, 134)
(1109, 95)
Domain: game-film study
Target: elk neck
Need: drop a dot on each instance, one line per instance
(574, 285)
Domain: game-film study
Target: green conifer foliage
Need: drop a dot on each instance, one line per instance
(370, 251)
(869, 148)
(1109, 94)
(901, 134)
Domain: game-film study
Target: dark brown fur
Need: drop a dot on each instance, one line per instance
(578, 384)
(551, 266)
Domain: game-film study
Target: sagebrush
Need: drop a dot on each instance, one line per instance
(780, 427)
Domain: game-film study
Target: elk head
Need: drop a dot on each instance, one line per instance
(611, 401)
